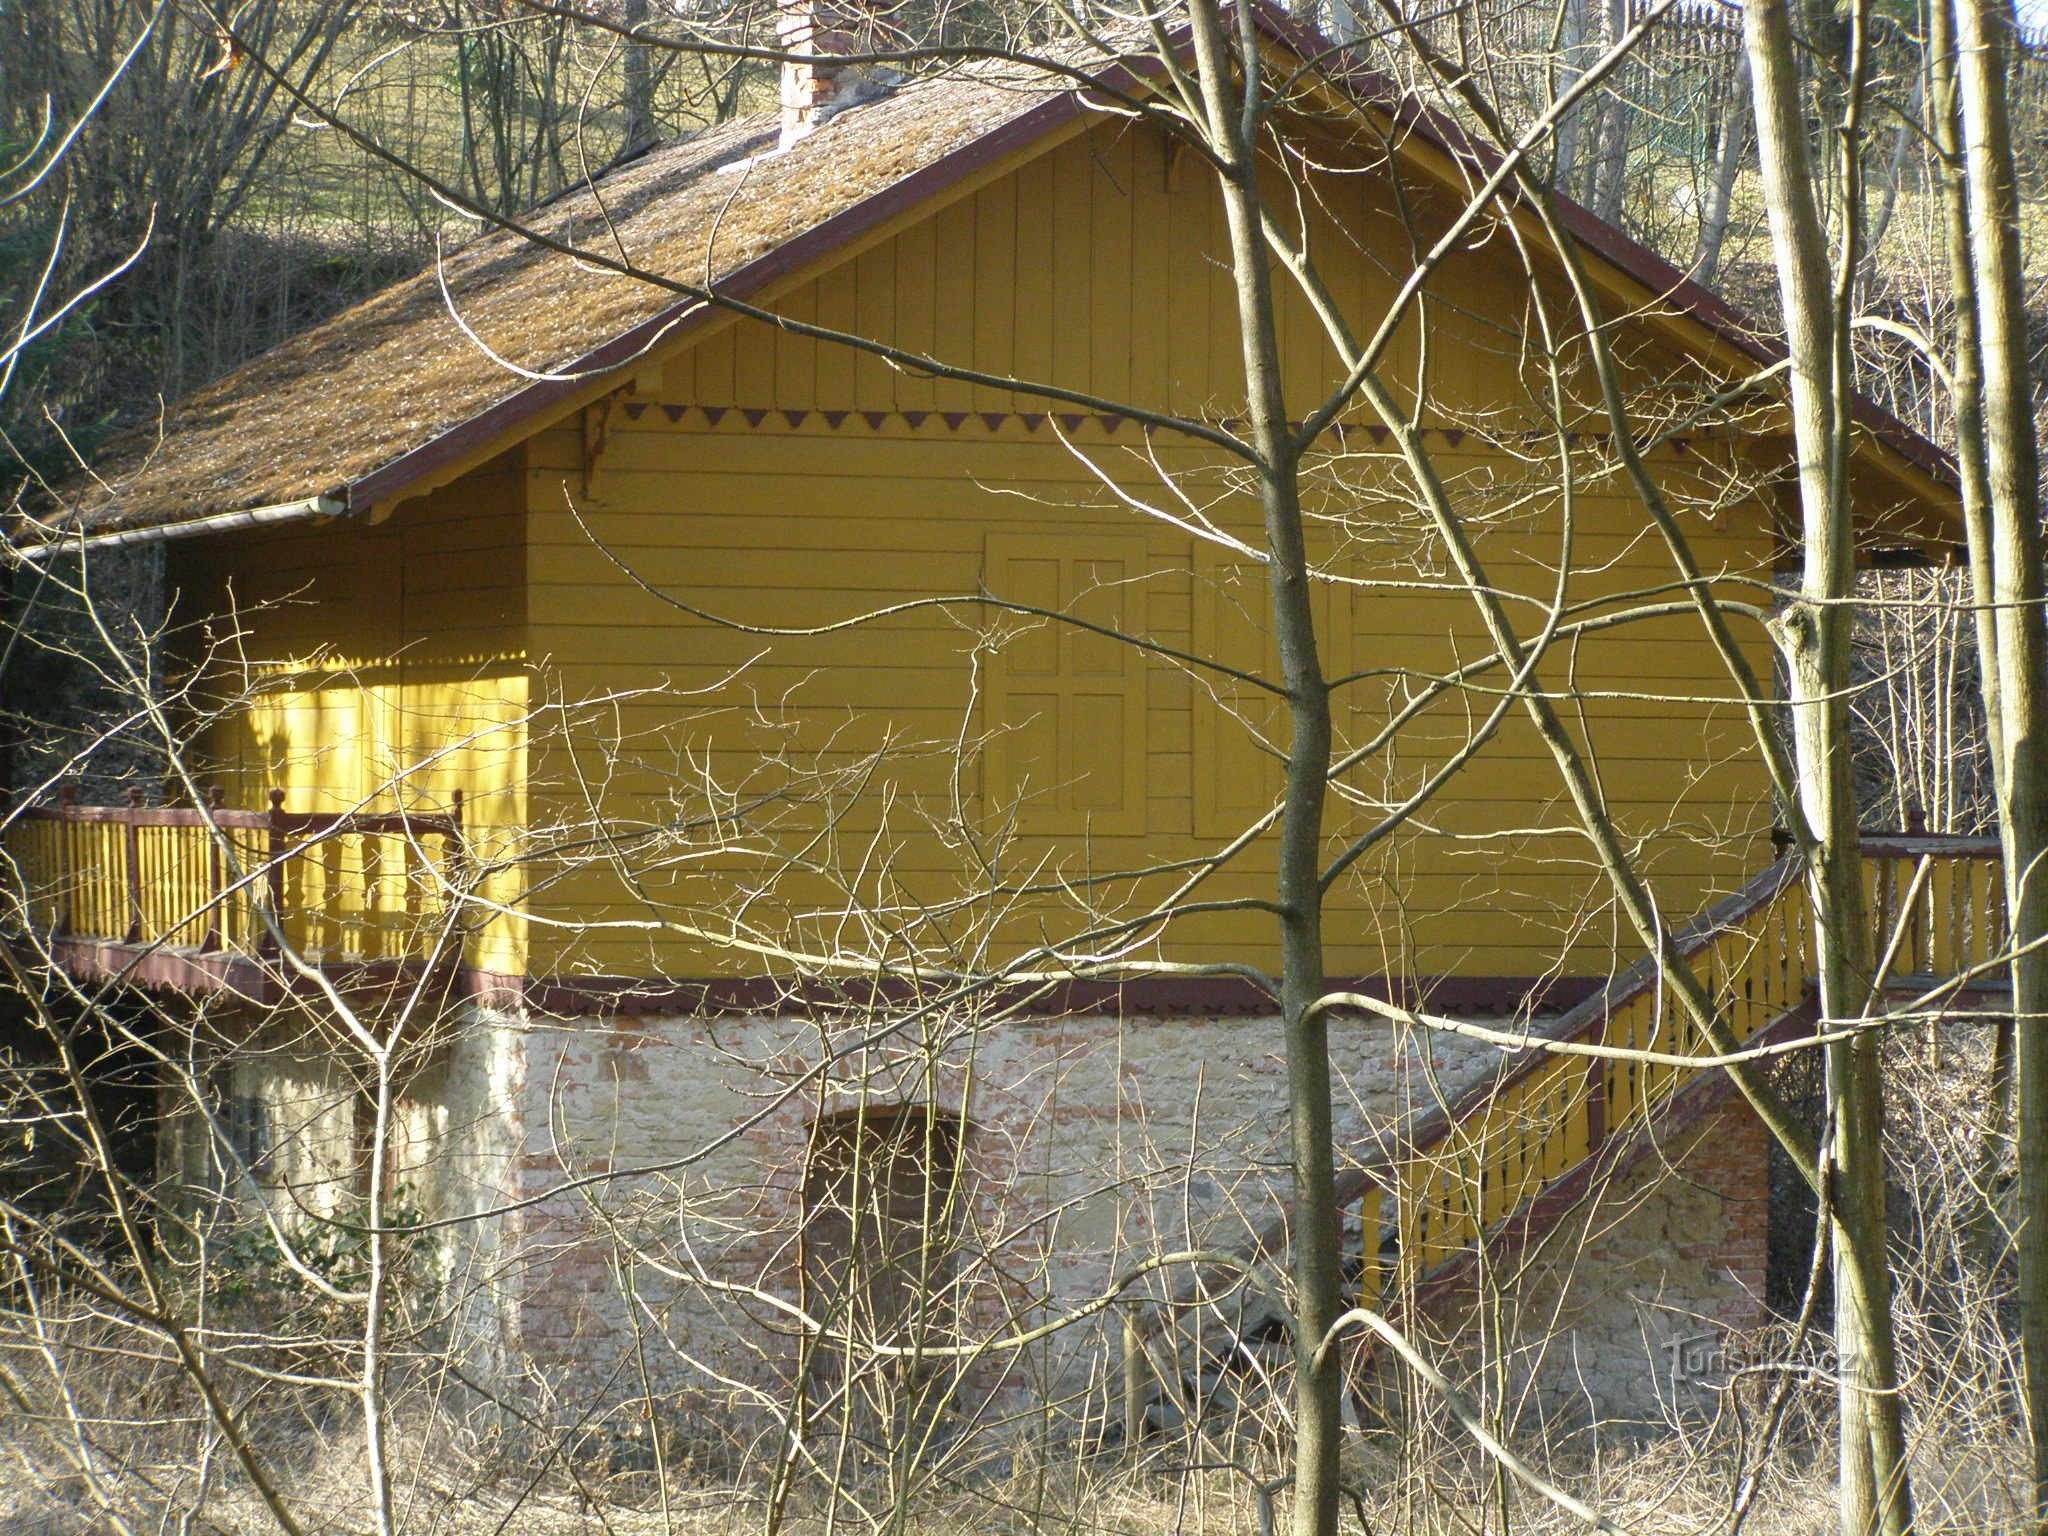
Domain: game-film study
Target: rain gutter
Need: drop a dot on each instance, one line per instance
(304, 510)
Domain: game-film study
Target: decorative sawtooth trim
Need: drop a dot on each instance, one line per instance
(777, 418)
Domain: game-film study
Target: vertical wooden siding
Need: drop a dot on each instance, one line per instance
(384, 666)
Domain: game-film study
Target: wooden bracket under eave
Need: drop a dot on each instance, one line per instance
(600, 419)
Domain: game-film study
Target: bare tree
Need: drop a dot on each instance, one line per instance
(1816, 638)
(2001, 474)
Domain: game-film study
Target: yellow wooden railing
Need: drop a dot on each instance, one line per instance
(1938, 911)
(208, 880)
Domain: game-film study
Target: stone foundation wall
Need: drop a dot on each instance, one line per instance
(1092, 1145)
(269, 1114)
(629, 1200)
(1633, 1307)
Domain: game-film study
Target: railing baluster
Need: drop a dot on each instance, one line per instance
(1942, 933)
(273, 877)
(1372, 1279)
(1987, 899)
(1970, 935)
(216, 876)
(376, 911)
(132, 860)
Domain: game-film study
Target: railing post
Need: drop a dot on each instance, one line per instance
(274, 877)
(133, 844)
(216, 876)
(455, 853)
(1596, 1103)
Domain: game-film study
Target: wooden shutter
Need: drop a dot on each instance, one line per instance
(1240, 731)
(1066, 707)
(880, 1217)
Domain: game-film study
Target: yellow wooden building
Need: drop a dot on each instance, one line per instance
(687, 602)
(605, 647)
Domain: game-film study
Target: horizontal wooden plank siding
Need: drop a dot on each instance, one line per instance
(765, 661)
(766, 482)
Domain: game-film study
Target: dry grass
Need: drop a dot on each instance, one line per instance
(1420, 1483)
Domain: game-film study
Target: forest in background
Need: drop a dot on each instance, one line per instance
(255, 221)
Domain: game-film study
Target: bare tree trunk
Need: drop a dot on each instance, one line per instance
(2012, 479)
(1571, 53)
(1608, 174)
(1903, 134)
(1967, 371)
(1315, 1241)
(638, 93)
(1815, 637)
(1727, 165)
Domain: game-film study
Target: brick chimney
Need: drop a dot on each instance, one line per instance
(817, 85)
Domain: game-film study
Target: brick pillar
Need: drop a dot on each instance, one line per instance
(1732, 1159)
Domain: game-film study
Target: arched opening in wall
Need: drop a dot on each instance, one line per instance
(881, 1223)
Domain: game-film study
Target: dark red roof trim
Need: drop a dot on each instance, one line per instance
(1608, 241)
(1220, 997)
